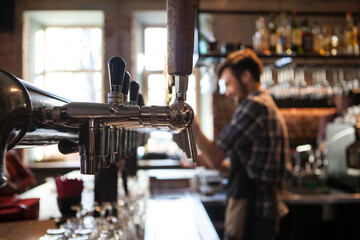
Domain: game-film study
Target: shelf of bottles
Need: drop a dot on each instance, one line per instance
(281, 34)
(305, 62)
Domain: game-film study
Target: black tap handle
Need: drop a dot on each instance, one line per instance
(126, 82)
(116, 66)
(67, 146)
(140, 100)
(134, 90)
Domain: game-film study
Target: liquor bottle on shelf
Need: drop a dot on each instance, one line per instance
(272, 33)
(307, 37)
(355, 42)
(279, 45)
(358, 28)
(285, 34)
(334, 43)
(207, 40)
(261, 37)
(318, 38)
(327, 41)
(340, 47)
(296, 35)
(256, 37)
(349, 46)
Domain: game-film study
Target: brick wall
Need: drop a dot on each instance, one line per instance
(11, 48)
(223, 109)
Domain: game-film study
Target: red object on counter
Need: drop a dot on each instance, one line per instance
(68, 188)
(14, 209)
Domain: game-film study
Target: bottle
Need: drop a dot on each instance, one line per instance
(296, 35)
(355, 40)
(261, 37)
(307, 37)
(279, 45)
(285, 34)
(318, 39)
(349, 47)
(335, 41)
(272, 33)
(256, 37)
(207, 40)
(203, 44)
(327, 40)
(358, 28)
(339, 32)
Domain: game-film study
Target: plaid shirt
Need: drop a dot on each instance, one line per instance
(257, 138)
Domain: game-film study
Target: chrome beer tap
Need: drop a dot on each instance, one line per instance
(102, 133)
(121, 150)
(179, 116)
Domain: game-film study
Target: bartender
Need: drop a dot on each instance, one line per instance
(256, 140)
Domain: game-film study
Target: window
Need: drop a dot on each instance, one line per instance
(65, 52)
(68, 62)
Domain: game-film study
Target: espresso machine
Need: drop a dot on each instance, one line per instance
(103, 133)
(344, 172)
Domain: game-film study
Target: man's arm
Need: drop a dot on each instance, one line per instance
(213, 155)
(241, 131)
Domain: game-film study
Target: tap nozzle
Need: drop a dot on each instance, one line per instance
(181, 118)
(88, 164)
(134, 91)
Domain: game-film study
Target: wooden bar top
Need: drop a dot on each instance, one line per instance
(25, 230)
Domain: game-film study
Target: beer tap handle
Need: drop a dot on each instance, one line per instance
(181, 27)
(125, 85)
(134, 91)
(116, 66)
(66, 146)
(140, 100)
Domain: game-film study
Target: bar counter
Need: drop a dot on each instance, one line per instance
(168, 216)
(180, 213)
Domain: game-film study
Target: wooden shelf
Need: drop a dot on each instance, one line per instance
(220, 54)
(267, 12)
(303, 59)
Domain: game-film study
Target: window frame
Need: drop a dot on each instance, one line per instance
(146, 73)
(44, 72)
(101, 71)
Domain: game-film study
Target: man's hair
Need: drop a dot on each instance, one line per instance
(241, 60)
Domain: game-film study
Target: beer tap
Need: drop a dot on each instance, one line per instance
(181, 24)
(121, 131)
(102, 132)
(98, 117)
(125, 88)
(134, 91)
(131, 138)
(116, 68)
(95, 150)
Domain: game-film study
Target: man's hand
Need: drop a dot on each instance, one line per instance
(187, 163)
(212, 154)
(196, 125)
